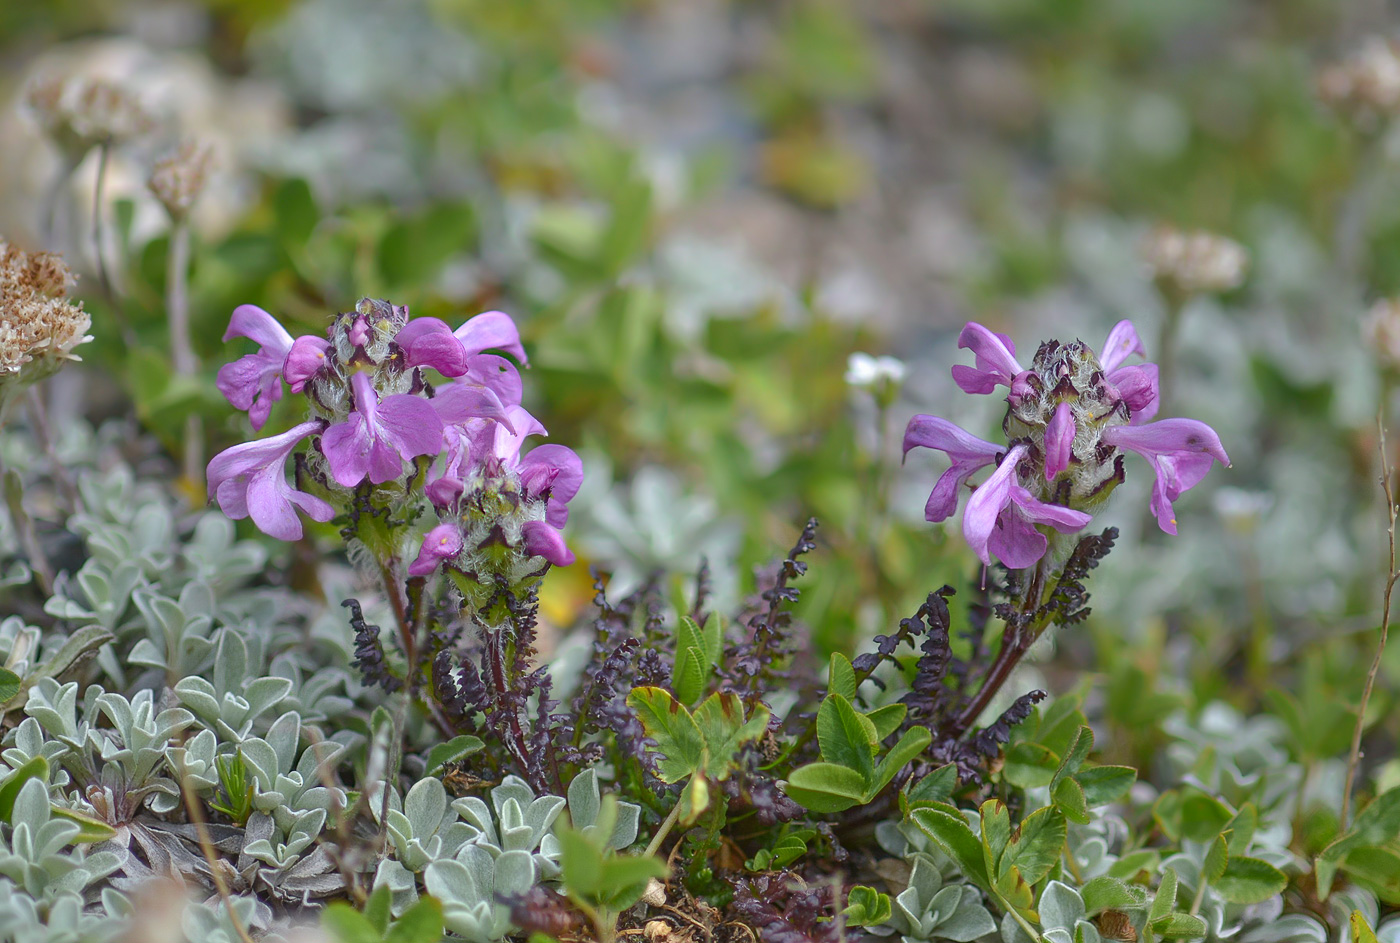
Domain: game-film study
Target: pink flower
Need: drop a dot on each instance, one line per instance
(1136, 384)
(306, 358)
(555, 473)
(1181, 452)
(542, 540)
(1001, 516)
(967, 452)
(428, 342)
(254, 382)
(1059, 440)
(380, 435)
(996, 360)
(491, 330)
(441, 543)
(248, 481)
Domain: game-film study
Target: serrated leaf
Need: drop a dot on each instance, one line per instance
(688, 674)
(996, 834)
(1068, 797)
(1217, 856)
(9, 686)
(1179, 926)
(1239, 832)
(1105, 784)
(1377, 823)
(451, 752)
(1107, 893)
(846, 737)
(678, 738)
(724, 729)
(1079, 748)
(1249, 880)
(1037, 843)
(955, 837)
(841, 677)
(1165, 900)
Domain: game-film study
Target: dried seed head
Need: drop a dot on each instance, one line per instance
(178, 178)
(1381, 330)
(1191, 263)
(39, 326)
(1365, 85)
(81, 113)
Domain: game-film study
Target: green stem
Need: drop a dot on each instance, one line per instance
(1200, 896)
(668, 823)
(1030, 930)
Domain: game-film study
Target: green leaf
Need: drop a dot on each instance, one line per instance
(414, 250)
(9, 686)
(1249, 880)
(1029, 765)
(723, 728)
(1105, 784)
(695, 798)
(1361, 931)
(296, 211)
(914, 741)
(937, 786)
(1240, 830)
(421, 923)
(996, 834)
(1165, 900)
(841, 677)
(1078, 752)
(1069, 799)
(451, 752)
(344, 924)
(379, 908)
(1376, 824)
(91, 829)
(867, 907)
(955, 837)
(847, 738)
(1179, 926)
(887, 719)
(80, 645)
(34, 768)
(1217, 856)
(688, 674)
(1128, 866)
(1037, 843)
(678, 738)
(1107, 893)
(825, 787)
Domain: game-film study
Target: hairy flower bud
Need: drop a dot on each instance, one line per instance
(178, 178)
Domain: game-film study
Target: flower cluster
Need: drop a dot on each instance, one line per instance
(382, 435)
(39, 325)
(1069, 418)
(1192, 263)
(1365, 85)
(80, 113)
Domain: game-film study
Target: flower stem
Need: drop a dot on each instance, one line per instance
(177, 309)
(667, 824)
(108, 292)
(1354, 757)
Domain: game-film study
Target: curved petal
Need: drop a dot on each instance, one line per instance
(305, 359)
(1063, 519)
(1016, 542)
(1167, 436)
(996, 360)
(498, 375)
(254, 323)
(1059, 440)
(1138, 387)
(492, 330)
(559, 470)
(440, 543)
(249, 480)
(987, 502)
(461, 402)
(541, 540)
(410, 425)
(428, 342)
(1122, 342)
(346, 446)
(931, 432)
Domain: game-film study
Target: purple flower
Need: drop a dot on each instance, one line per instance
(996, 360)
(968, 453)
(1181, 452)
(380, 435)
(1136, 384)
(542, 540)
(491, 330)
(359, 332)
(554, 472)
(254, 382)
(1001, 516)
(306, 358)
(1059, 440)
(441, 543)
(428, 342)
(248, 481)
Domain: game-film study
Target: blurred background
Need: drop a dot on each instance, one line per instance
(698, 210)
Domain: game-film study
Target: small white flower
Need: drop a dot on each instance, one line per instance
(1195, 262)
(865, 372)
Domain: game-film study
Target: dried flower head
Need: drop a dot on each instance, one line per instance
(1366, 84)
(39, 326)
(1192, 263)
(178, 178)
(81, 113)
(1380, 328)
